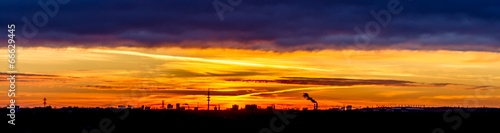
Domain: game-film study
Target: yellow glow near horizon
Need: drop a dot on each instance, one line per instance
(145, 76)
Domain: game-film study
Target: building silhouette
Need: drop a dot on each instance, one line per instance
(170, 107)
(251, 107)
(178, 107)
(349, 107)
(235, 107)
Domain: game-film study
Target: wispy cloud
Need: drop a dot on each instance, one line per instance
(396, 93)
(332, 81)
(169, 57)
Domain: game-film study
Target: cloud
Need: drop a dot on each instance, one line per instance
(396, 93)
(263, 24)
(33, 77)
(333, 81)
(483, 88)
(27, 74)
(353, 82)
(448, 97)
(228, 62)
(175, 91)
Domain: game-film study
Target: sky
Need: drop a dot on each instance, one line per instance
(346, 52)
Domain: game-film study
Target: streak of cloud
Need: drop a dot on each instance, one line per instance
(169, 57)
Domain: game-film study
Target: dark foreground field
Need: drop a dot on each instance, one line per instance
(265, 121)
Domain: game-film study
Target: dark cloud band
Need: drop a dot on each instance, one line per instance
(260, 24)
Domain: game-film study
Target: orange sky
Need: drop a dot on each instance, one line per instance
(141, 76)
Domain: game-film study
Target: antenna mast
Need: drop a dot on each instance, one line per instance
(208, 100)
(44, 102)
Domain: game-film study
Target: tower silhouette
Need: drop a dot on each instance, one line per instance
(208, 99)
(44, 102)
(162, 104)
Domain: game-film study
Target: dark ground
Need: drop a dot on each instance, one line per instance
(146, 121)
